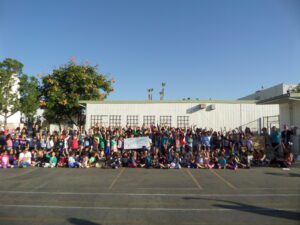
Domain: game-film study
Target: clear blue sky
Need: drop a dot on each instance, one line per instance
(201, 48)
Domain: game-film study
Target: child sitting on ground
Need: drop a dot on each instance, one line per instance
(200, 160)
(222, 163)
(176, 162)
(52, 160)
(72, 163)
(207, 162)
(4, 159)
(84, 161)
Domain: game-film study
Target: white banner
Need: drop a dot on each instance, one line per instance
(137, 143)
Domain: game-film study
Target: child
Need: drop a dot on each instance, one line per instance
(148, 161)
(85, 161)
(192, 162)
(9, 142)
(52, 160)
(222, 162)
(233, 162)
(107, 148)
(62, 161)
(200, 160)
(114, 144)
(74, 143)
(5, 160)
(116, 161)
(92, 160)
(176, 162)
(163, 162)
(207, 163)
(72, 163)
(132, 160)
(24, 158)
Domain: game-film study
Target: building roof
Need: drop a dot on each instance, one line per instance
(281, 99)
(170, 101)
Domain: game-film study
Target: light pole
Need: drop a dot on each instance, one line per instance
(162, 93)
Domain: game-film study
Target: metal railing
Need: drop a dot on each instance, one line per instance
(266, 121)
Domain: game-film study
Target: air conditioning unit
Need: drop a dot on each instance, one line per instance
(202, 106)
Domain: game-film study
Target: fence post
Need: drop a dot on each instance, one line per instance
(259, 125)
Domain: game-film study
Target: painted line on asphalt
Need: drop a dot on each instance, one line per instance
(150, 195)
(167, 188)
(117, 177)
(194, 179)
(21, 174)
(253, 209)
(225, 181)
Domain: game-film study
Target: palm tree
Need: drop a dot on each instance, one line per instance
(162, 93)
(150, 93)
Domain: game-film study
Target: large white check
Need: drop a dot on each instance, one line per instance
(136, 143)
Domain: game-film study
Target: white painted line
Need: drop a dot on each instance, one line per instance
(117, 177)
(28, 171)
(224, 180)
(150, 195)
(167, 188)
(194, 179)
(148, 209)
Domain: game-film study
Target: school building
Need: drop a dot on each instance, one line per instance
(216, 114)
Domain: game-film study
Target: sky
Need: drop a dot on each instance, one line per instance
(218, 49)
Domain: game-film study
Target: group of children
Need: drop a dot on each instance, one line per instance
(170, 148)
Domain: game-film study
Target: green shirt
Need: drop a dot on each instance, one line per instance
(52, 160)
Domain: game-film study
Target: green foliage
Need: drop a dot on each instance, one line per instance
(29, 96)
(67, 85)
(297, 89)
(10, 70)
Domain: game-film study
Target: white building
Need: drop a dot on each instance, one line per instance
(216, 114)
(271, 92)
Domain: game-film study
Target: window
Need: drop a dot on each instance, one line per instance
(166, 121)
(132, 121)
(114, 120)
(148, 120)
(100, 120)
(183, 121)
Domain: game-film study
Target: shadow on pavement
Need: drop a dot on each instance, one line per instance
(284, 175)
(77, 221)
(252, 209)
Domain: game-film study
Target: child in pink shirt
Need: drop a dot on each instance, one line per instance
(5, 160)
(9, 142)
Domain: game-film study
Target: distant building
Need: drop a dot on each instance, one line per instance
(276, 90)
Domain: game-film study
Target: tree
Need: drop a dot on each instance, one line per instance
(10, 70)
(297, 89)
(66, 86)
(29, 96)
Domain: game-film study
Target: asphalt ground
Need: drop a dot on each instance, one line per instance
(149, 196)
